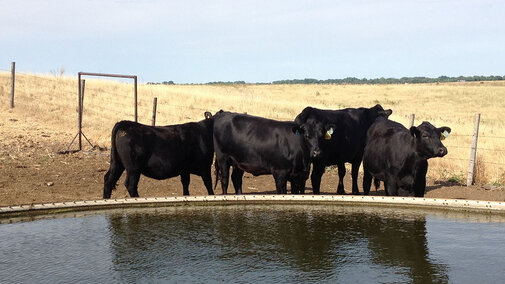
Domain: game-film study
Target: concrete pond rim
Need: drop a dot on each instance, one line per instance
(477, 206)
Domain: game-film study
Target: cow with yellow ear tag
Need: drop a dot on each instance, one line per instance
(344, 143)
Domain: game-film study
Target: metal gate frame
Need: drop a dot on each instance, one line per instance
(80, 91)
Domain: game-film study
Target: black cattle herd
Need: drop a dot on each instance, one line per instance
(390, 152)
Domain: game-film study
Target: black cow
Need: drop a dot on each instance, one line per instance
(399, 156)
(263, 146)
(347, 142)
(160, 152)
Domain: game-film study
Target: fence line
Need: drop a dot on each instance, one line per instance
(485, 149)
(495, 137)
(467, 160)
(474, 147)
(458, 159)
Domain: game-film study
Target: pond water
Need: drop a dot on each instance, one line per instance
(249, 243)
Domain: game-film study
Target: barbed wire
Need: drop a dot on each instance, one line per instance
(468, 160)
(461, 135)
(478, 148)
(454, 146)
(493, 163)
(497, 137)
(187, 107)
(458, 159)
(496, 150)
(45, 77)
(480, 136)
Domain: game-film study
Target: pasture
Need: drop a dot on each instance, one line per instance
(53, 100)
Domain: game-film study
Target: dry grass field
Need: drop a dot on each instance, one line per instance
(53, 100)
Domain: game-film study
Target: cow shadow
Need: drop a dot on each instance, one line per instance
(441, 184)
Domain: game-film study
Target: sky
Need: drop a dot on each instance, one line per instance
(194, 41)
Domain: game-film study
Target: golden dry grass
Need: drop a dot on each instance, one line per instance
(54, 100)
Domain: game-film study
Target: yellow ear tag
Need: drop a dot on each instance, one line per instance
(328, 134)
(444, 135)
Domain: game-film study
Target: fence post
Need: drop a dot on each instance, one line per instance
(473, 151)
(135, 97)
(79, 112)
(13, 80)
(83, 84)
(412, 117)
(155, 102)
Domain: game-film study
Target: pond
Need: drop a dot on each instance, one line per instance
(249, 243)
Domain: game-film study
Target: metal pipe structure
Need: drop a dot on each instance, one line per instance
(80, 97)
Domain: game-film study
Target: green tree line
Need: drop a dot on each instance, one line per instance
(403, 80)
(356, 81)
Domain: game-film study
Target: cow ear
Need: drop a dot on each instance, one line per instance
(444, 132)
(330, 127)
(387, 113)
(329, 131)
(207, 115)
(297, 130)
(414, 131)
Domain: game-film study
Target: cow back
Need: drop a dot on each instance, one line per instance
(259, 145)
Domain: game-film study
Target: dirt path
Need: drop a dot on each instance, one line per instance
(32, 171)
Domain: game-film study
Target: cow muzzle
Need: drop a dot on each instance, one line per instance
(442, 151)
(315, 154)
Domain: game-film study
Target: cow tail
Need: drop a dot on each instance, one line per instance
(218, 173)
(116, 167)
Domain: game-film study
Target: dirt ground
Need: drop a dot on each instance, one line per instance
(32, 171)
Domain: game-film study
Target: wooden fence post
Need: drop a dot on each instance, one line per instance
(412, 117)
(13, 80)
(155, 102)
(473, 151)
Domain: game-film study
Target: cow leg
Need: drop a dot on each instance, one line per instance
(111, 177)
(280, 183)
(315, 177)
(354, 173)
(386, 187)
(298, 186)
(295, 189)
(367, 181)
(236, 178)
(390, 185)
(185, 183)
(131, 182)
(225, 175)
(420, 179)
(207, 181)
(341, 175)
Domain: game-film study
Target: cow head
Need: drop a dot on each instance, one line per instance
(428, 139)
(378, 111)
(314, 132)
